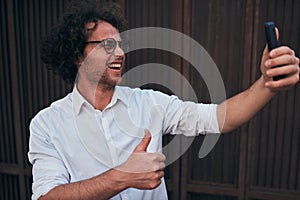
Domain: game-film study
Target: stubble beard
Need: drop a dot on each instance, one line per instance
(106, 83)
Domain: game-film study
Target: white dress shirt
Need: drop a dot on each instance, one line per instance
(72, 141)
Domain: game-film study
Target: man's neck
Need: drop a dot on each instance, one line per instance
(99, 96)
(103, 96)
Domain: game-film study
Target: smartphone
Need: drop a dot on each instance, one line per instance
(272, 41)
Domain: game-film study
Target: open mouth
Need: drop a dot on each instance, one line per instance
(115, 65)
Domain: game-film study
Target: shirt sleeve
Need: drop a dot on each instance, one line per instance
(189, 118)
(48, 169)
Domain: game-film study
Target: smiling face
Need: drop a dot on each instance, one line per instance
(100, 67)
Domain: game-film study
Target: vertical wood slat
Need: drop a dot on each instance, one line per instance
(42, 14)
(295, 149)
(249, 20)
(32, 72)
(10, 155)
(29, 100)
(39, 69)
(4, 113)
(232, 11)
(14, 85)
(27, 75)
(21, 119)
(257, 120)
(186, 29)
(278, 147)
(17, 97)
(219, 56)
(293, 105)
(281, 135)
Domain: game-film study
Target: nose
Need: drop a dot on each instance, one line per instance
(118, 51)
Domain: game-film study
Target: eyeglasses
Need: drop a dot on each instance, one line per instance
(110, 45)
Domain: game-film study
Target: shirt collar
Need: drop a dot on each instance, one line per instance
(79, 101)
(120, 94)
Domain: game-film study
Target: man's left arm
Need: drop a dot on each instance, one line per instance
(237, 110)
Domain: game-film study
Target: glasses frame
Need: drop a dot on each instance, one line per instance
(102, 42)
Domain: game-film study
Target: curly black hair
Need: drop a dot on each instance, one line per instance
(63, 47)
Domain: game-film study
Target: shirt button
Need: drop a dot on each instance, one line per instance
(98, 112)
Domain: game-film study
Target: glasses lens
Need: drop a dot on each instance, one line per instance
(110, 45)
(124, 45)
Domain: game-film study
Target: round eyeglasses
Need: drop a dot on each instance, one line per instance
(110, 45)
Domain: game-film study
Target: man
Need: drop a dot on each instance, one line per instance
(82, 147)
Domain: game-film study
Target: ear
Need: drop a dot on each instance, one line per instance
(79, 62)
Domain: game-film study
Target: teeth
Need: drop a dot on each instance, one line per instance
(115, 65)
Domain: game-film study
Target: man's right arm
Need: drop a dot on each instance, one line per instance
(103, 186)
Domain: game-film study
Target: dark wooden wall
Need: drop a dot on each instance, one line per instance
(260, 160)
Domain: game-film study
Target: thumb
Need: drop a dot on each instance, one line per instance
(277, 33)
(266, 51)
(142, 147)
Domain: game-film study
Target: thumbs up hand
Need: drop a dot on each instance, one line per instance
(142, 147)
(144, 170)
